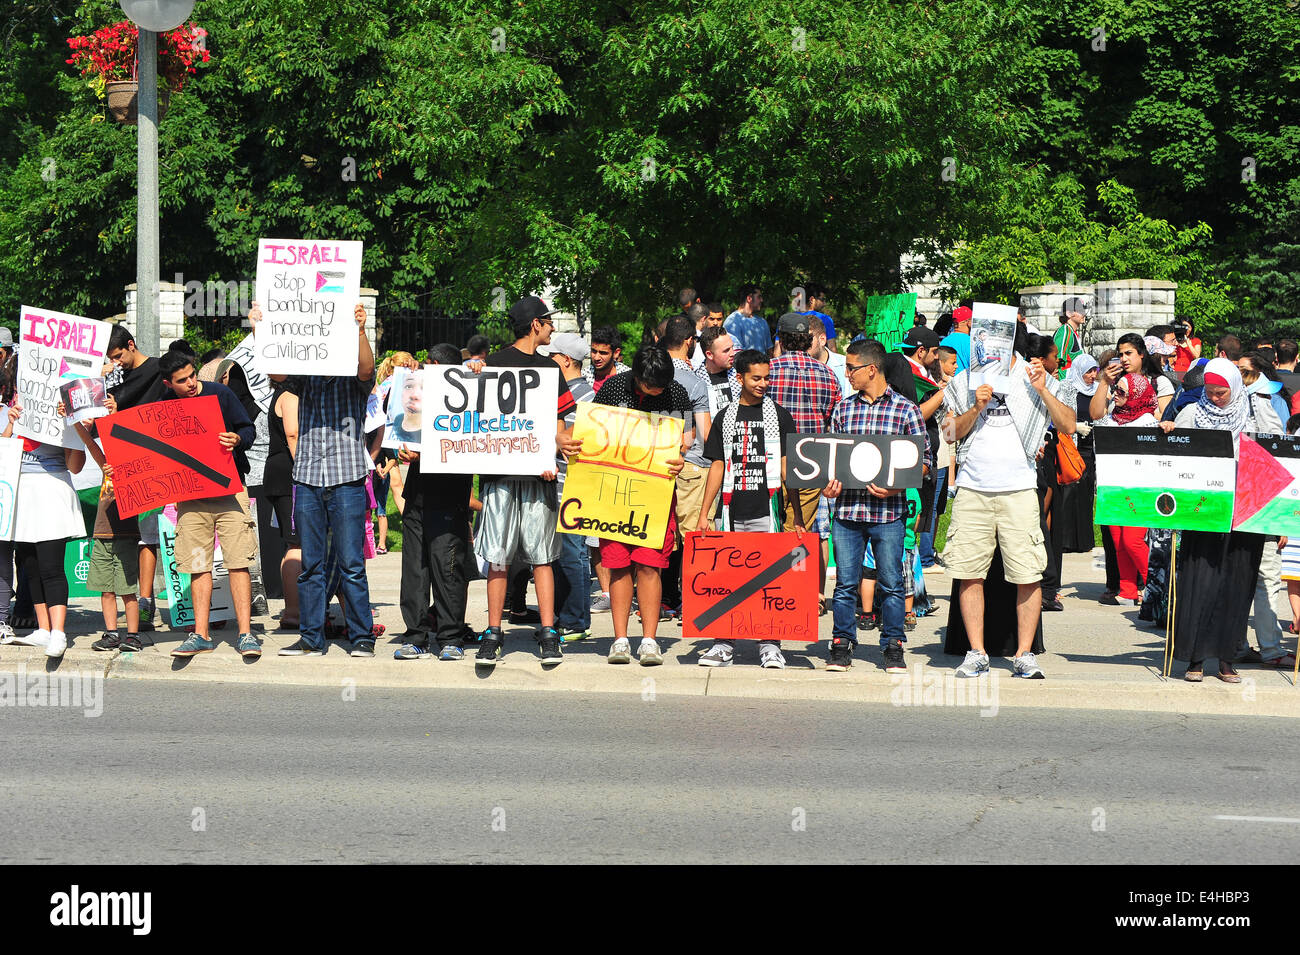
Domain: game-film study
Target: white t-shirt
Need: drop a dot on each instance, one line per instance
(996, 462)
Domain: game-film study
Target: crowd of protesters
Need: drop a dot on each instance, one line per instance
(740, 385)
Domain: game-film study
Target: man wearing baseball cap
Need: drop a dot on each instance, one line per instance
(959, 338)
(572, 604)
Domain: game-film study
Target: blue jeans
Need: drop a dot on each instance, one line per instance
(330, 523)
(572, 583)
(886, 540)
(925, 541)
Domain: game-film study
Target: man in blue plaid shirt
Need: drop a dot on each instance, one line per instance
(872, 515)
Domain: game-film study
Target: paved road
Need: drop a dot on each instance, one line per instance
(283, 774)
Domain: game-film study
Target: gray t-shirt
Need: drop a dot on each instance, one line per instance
(699, 393)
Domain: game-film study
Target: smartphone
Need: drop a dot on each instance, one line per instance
(1113, 363)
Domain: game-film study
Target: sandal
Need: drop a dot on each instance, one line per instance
(1229, 677)
(1194, 676)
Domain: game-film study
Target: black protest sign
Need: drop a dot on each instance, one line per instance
(855, 460)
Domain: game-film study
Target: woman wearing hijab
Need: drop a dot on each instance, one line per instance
(1135, 407)
(1075, 515)
(1215, 573)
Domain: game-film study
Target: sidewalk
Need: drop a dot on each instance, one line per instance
(1097, 658)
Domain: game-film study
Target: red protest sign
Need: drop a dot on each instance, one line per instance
(750, 586)
(166, 452)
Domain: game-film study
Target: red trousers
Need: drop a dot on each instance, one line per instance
(1131, 553)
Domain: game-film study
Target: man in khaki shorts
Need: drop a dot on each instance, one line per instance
(998, 437)
(198, 523)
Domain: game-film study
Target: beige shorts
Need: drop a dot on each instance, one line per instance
(690, 497)
(981, 522)
(808, 498)
(199, 522)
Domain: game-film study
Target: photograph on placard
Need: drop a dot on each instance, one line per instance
(992, 342)
(54, 349)
(84, 399)
(404, 424)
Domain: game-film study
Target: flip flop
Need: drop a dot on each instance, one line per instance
(1194, 676)
(1228, 677)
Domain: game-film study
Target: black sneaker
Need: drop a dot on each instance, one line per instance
(363, 648)
(302, 649)
(549, 646)
(489, 648)
(1052, 604)
(109, 641)
(841, 655)
(894, 658)
(131, 643)
(867, 621)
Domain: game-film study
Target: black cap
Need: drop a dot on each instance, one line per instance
(793, 322)
(922, 336)
(528, 308)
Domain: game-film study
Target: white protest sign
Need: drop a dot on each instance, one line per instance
(308, 289)
(245, 356)
(11, 462)
(499, 421)
(992, 340)
(55, 348)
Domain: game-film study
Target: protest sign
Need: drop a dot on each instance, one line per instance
(168, 451)
(886, 318)
(84, 399)
(76, 567)
(499, 421)
(308, 290)
(739, 586)
(403, 422)
(259, 385)
(855, 460)
(618, 487)
(55, 348)
(176, 595)
(1268, 485)
(992, 337)
(1184, 480)
(11, 462)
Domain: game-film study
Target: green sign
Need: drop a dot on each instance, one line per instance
(76, 567)
(888, 317)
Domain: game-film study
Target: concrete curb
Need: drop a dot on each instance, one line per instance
(1262, 693)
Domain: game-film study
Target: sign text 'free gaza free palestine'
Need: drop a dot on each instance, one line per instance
(308, 290)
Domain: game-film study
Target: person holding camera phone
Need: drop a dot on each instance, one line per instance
(1187, 349)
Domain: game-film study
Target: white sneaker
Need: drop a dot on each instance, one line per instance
(620, 652)
(1027, 667)
(7, 634)
(37, 638)
(718, 655)
(770, 656)
(648, 653)
(58, 643)
(975, 664)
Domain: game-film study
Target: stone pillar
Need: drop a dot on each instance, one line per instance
(1128, 305)
(1041, 304)
(928, 300)
(171, 312)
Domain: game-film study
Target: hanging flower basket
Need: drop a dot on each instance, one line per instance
(109, 58)
(123, 100)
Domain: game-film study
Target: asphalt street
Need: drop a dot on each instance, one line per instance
(224, 773)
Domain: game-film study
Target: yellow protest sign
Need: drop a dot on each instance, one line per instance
(618, 487)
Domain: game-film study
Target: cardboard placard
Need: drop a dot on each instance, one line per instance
(168, 451)
(741, 586)
(1184, 480)
(618, 487)
(76, 567)
(176, 595)
(84, 399)
(855, 460)
(992, 340)
(403, 421)
(498, 421)
(308, 290)
(55, 348)
(11, 462)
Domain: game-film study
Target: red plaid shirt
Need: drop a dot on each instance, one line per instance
(806, 388)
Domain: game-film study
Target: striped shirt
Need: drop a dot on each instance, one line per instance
(331, 429)
(891, 413)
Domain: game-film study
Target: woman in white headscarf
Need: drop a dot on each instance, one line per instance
(1215, 573)
(1075, 512)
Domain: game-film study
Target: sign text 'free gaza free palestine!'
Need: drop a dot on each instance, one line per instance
(308, 290)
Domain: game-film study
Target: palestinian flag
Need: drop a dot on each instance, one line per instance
(1268, 486)
(1185, 480)
(925, 385)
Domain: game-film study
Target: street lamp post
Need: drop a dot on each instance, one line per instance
(151, 17)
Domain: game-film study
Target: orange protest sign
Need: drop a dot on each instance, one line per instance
(742, 586)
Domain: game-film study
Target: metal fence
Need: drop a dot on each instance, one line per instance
(416, 329)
